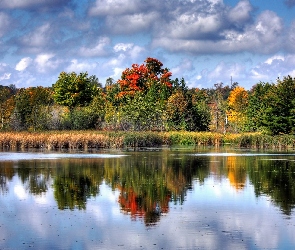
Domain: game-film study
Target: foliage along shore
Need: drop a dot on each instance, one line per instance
(100, 139)
(146, 98)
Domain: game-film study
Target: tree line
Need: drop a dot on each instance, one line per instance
(146, 98)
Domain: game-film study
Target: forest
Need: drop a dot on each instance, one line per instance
(146, 98)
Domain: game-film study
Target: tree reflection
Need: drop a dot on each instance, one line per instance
(77, 181)
(237, 173)
(148, 184)
(275, 178)
(6, 174)
(35, 176)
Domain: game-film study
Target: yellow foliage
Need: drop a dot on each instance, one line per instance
(238, 99)
(237, 102)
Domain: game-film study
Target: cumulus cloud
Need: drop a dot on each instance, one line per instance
(114, 7)
(192, 26)
(109, 35)
(184, 66)
(5, 72)
(37, 40)
(98, 49)
(31, 4)
(5, 76)
(45, 62)
(274, 67)
(80, 66)
(264, 36)
(123, 47)
(241, 13)
(23, 63)
(127, 24)
(226, 70)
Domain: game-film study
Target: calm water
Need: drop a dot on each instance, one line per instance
(166, 199)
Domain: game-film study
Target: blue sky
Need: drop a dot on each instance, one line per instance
(204, 41)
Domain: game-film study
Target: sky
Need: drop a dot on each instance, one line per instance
(204, 41)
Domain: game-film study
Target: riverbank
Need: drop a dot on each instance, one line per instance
(101, 139)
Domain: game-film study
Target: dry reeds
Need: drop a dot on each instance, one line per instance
(59, 140)
(101, 139)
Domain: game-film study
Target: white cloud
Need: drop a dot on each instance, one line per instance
(37, 40)
(193, 26)
(23, 63)
(5, 76)
(133, 52)
(44, 63)
(241, 13)
(226, 70)
(137, 53)
(273, 58)
(82, 66)
(23, 4)
(123, 46)
(274, 67)
(113, 7)
(99, 49)
(127, 24)
(264, 36)
(184, 66)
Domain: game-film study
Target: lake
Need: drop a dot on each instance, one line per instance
(152, 199)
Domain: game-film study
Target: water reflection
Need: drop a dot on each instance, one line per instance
(167, 199)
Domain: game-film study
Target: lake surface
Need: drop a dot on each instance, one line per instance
(157, 199)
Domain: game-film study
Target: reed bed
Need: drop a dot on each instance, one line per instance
(102, 139)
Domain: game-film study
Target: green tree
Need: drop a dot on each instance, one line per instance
(187, 109)
(7, 104)
(74, 90)
(32, 108)
(260, 97)
(272, 107)
(282, 112)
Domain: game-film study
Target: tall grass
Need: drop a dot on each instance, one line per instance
(102, 139)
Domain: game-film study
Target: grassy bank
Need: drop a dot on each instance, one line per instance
(101, 139)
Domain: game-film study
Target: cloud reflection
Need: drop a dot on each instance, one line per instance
(209, 213)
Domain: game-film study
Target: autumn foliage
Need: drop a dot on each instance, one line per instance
(141, 77)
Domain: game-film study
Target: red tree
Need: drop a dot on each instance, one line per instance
(141, 77)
